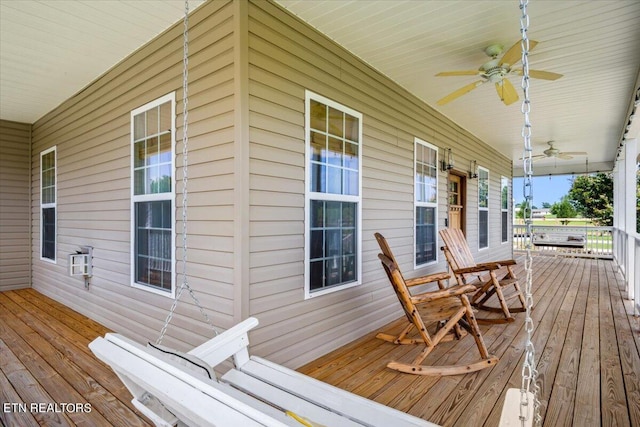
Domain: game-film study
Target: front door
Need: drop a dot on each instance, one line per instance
(455, 186)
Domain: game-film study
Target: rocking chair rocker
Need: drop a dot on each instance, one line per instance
(448, 306)
(466, 271)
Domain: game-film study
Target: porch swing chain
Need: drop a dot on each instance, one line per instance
(529, 371)
(185, 152)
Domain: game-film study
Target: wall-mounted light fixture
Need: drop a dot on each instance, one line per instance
(447, 162)
(473, 169)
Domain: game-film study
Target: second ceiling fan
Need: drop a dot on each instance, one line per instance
(495, 71)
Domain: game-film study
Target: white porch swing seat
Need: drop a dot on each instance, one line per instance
(173, 388)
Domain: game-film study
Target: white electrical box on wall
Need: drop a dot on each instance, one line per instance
(81, 264)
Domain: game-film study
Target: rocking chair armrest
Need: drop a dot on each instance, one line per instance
(478, 268)
(489, 265)
(427, 279)
(506, 262)
(443, 293)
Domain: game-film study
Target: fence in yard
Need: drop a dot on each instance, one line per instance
(585, 240)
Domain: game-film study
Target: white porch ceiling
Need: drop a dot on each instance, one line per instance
(51, 49)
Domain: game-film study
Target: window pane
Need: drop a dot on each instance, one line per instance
(333, 243)
(505, 226)
(153, 243)
(165, 117)
(49, 233)
(351, 156)
(165, 148)
(318, 116)
(334, 180)
(318, 147)
(351, 128)
(318, 178)
(152, 121)
(335, 151)
(350, 186)
(333, 214)
(483, 189)
(153, 154)
(505, 193)
(139, 153)
(316, 275)
(483, 229)
(425, 235)
(317, 214)
(139, 130)
(336, 122)
(164, 180)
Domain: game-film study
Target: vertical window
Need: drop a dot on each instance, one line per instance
(483, 208)
(152, 198)
(426, 201)
(504, 208)
(48, 205)
(333, 196)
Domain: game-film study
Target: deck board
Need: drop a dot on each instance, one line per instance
(587, 350)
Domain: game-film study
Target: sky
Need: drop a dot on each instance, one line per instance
(548, 189)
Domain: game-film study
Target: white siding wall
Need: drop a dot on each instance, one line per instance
(92, 133)
(15, 140)
(285, 58)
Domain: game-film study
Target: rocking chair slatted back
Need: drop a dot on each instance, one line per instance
(456, 243)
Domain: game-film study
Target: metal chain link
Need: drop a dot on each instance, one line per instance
(185, 179)
(529, 371)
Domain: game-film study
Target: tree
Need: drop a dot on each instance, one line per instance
(563, 209)
(592, 196)
(546, 205)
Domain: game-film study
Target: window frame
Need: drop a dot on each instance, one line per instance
(483, 208)
(49, 205)
(417, 204)
(325, 196)
(165, 196)
(504, 183)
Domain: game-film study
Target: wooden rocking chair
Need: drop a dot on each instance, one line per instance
(504, 288)
(448, 306)
(439, 278)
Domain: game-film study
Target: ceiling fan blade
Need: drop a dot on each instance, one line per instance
(465, 89)
(574, 153)
(536, 157)
(564, 156)
(506, 92)
(459, 73)
(539, 74)
(514, 53)
(540, 157)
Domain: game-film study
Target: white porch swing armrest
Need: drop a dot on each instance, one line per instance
(232, 342)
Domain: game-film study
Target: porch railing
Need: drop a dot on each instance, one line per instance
(627, 255)
(587, 241)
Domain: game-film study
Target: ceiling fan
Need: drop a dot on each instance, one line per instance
(553, 152)
(495, 71)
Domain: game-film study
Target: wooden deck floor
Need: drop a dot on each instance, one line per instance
(44, 360)
(587, 348)
(586, 343)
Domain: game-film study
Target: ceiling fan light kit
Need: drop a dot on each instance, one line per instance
(496, 71)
